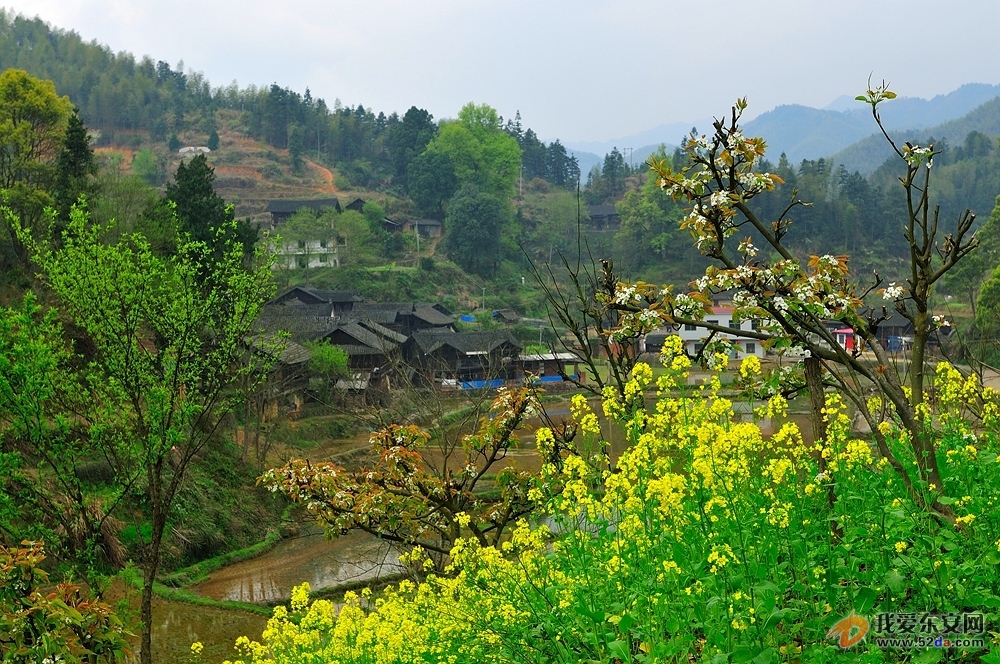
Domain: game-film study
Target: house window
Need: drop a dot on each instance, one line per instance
(302, 261)
(322, 243)
(734, 324)
(302, 244)
(697, 348)
(322, 258)
(688, 327)
(751, 348)
(712, 321)
(341, 240)
(755, 324)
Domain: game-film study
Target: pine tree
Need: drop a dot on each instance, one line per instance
(200, 211)
(75, 167)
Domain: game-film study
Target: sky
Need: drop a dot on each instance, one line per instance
(580, 70)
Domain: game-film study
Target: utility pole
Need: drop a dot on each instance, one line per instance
(631, 166)
(484, 298)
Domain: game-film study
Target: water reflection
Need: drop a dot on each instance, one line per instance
(307, 557)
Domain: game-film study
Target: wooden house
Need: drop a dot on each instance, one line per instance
(315, 301)
(550, 367)
(427, 227)
(404, 317)
(465, 360)
(283, 208)
(604, 217)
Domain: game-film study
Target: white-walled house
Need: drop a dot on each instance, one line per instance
(694, 337)
(310, 253)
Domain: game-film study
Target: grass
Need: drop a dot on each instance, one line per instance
(199, 571)
(132, 576)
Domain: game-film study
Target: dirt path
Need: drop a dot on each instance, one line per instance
(327, 176)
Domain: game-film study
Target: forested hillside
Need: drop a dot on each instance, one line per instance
(496, 168)
(132, 100)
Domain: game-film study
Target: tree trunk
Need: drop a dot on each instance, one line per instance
(923, 445)
(817, 401)
(148, 578)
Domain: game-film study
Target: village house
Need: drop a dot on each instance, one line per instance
(550, 367)
(310, 253)
(310, 301)
(465, 360)
(426, 227)
(404, 317)
(283, 208)
(694, 337)
(604, 217)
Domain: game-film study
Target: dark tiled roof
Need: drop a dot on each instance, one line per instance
(288, 352)
(301, 327)
(289, 205)
(294, 353)
(601, 210)
(387, 313)
(425, 222)
(429, 314)
(365, 336)
(322, 295)
(355, 350)
(464, 342)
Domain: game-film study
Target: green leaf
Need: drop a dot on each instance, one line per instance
(775, 618)
(929, 656)
(620, 650)
(861, 98)
(766, 656)
(895, 581)
(864, 600)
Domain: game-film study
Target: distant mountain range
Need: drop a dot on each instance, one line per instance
(843, 130)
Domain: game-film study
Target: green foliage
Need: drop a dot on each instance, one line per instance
(168, 335)
(432, 181)
(43, 445)
(474, 223)
(483, 154)
(33, 120)
(127, 204)
(204, 214)
(75, 167)
(147, 166)
(374, 215)
(213, 140)
(174, 144)
(327, 361)
(407, 141)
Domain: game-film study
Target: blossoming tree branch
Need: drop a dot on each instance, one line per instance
(794, 298)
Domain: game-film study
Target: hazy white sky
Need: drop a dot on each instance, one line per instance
(577, 70)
